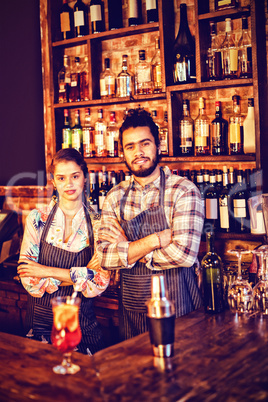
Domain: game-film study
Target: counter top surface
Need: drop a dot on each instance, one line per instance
(216, 358)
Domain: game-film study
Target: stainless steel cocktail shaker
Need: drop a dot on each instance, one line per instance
(161, 318)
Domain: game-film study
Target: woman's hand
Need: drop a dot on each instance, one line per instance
(31, 268)
(94, 263)
(113, 234)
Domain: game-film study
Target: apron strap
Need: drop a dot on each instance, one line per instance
(48, 222)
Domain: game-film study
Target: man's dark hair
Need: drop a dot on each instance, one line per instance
(139, 118)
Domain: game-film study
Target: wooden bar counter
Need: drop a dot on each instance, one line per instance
(216, 358)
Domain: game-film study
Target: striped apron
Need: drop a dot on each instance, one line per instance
(136, 282)
(39, 310)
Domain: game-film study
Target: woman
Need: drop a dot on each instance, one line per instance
(57, 253)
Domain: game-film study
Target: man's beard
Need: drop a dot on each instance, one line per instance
(144, 172)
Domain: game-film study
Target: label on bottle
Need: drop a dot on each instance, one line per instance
(157, 74)
(79, 18)
(133, 9)
(150, 4)
(65, 22)
(224, 2)
(95, 13)
(123, 85)
(200, 141)
(235, 137)
(186, 133)
(62, 87)
(211, 208)
(67, 136)
(143, 76)
(224, 213)
(103, 90)
(233, 59)
(99, 139)
(240, 208)
(110, 144)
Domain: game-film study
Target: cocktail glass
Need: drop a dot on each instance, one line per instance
(240, 291)
(260, 290)
(66, 332)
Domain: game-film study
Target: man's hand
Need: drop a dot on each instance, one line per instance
(113, 234)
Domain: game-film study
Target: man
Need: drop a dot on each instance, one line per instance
(150, 224)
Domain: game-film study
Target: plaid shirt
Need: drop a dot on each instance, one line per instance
(184, 213)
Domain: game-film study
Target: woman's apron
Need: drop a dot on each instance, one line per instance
(136, 282)
(39, 310)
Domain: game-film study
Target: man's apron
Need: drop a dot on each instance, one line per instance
(39, 310)
(136, 282)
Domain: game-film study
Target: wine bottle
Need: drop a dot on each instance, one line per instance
(229, 53)
(245, 51)
(124, 80)
(64, 80)
(163, 135)
(74, 94)
(249, 129)
(186, 130)
(93, 194)
(156, 69)
(236, 128)
(151, 11)
(225, 204)
(200, 186)
(103, 190)
(240, 208)
(115, 14)
(214, 61)
(88, 136)
(184, 51)
(134, 13)
(84, 88)
(100, 135)
(211, 205)
(112, 134)
(143, 78)
(66, 131)
(96, 16)
(219, 183)
(77, 133)
(81, 19)
(66, 21)
(202, 135)
(107, 81)
(219, 132)
(212, 278)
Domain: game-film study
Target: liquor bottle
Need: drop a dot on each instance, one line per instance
(184, 51)
(229, 53)
(100, 135)
(115, 14)
(202, 136)
(163, 135)
(156, 69)
(93, 194)
(225, 206)
(214, 55)
(88, 136)
(64, 80)
(81, 19)
(74, 95)
(96, 16)
(151, 11)
(134, 13)
(236, 128)
(245, 51)
(219, 133)
(107, 81)
(77, 133)
(219, 183)
(249, 129)
(240, 197)
(211, 205)
(200, 186)
(84, 89)
(186, 130)
(212, 278)
(66, 21)
(112, 134)
(103, 190)
(225, 4)
(124, 80)
(66, 131)
(143, 79)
